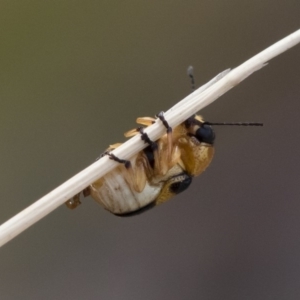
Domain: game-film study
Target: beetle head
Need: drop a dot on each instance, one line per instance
(201, 130)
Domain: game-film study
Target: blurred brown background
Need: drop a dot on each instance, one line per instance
(74, 75)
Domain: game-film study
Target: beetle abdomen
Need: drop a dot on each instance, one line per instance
(116, 195)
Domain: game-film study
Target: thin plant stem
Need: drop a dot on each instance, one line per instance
(194, 102)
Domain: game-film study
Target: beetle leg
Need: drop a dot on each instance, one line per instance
(161, 116)
(102, 154)
(135, 176)
(154, 146)
(139, 174)
(146, 139)
(111, 147)
(161, 165)
(114, 146)
(73, 202)
(126, 163)
(132, 132)
(147, 121)
(86, 192)
(169, 135)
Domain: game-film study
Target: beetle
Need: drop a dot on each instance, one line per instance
(162, 170)
(157, 173)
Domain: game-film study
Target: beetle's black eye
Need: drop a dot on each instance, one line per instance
(180, 186)
(205, 134)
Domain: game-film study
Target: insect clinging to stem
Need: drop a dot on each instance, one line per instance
(158, 172)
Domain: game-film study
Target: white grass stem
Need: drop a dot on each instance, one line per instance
(176, 115)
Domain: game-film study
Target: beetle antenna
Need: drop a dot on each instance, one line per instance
(236, 123)
(190, 72)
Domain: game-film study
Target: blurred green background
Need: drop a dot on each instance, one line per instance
(74, 75)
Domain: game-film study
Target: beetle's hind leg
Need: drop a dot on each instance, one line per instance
(110, 148)
(126, 163)
(75, 200)
(135, 174)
